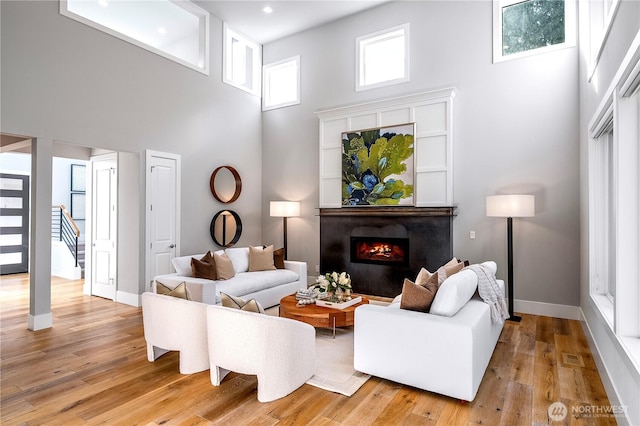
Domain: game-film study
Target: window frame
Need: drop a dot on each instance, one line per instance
(597, 46)
(570, 29)
(227, 60)
(619, 113)
(377, 36)
(203, 35)
(267, 69)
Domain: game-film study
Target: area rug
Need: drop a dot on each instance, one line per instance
(334, 361)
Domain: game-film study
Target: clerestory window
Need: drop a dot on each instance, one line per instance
(522, 28)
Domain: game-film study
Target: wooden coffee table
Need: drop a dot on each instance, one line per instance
(319, 316)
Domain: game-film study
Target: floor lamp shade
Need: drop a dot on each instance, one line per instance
(510, 206)
(284, 209)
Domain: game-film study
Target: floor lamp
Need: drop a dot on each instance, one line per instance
(284, 209)
(510, 206)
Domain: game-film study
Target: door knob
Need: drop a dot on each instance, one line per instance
(172, 246)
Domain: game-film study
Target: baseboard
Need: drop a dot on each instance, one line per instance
(128, 298)
(548, 310)
(39, 322)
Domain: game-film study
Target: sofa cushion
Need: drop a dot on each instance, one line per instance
(224, 266)
(182, 264)
(234, 302)
(454, 293)
(419, 297)
(180, 291)
(239, 257)
(261, 259)
(204, 267)
(251, 282)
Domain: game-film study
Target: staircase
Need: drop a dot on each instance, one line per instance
(64, 230)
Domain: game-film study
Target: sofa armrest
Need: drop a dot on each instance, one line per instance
(299, 268)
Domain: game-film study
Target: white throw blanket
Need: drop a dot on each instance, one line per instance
(490, 293)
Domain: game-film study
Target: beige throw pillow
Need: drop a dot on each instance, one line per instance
(238, 303)
(448, 269)
(224, 267)
(180, 291)
(423, 276)
(419, 297)
(261, 259)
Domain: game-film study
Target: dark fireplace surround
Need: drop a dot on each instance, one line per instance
(401, 240)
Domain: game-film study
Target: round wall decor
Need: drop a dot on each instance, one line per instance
(226, 228)
(225, 184)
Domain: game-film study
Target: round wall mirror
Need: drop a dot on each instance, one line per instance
(225, 184)
(226, 228)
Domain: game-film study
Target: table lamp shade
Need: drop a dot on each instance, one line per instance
(511, 206)
(284, 208)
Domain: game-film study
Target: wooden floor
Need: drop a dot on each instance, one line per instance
(91, 368)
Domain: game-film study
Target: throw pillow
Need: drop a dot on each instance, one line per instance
(182, 264)
(454, 293)
(180, 291)
(224, 266)
(239, 257)
(204, 267)
(423, 276)
(419, 297)
(261, 259)
(278, 258)
(448, 269)
(238, 303)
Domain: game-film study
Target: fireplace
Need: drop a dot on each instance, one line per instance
(380, 250)
(378, 235)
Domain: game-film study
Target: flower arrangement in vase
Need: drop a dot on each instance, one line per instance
(337, 284)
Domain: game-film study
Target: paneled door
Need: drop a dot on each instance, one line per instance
(163, 177)
(14, 223)
(104, 226)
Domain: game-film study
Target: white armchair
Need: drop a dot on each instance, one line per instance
(172, 324)
(280, 351)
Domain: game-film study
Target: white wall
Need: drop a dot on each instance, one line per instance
(621, 377)
(515, 130)
(67, 82)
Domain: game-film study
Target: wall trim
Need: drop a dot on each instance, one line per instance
(130, 299)
(548, 309)
(39, 322)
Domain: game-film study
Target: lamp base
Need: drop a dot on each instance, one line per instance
(514, 318)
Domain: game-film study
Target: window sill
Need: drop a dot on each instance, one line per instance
(605, 307)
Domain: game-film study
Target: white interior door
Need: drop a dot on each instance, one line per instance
(163, 176)
(104, 227)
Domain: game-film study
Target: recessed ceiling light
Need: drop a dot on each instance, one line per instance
(103, 3)
(267, 9)
(162, 30)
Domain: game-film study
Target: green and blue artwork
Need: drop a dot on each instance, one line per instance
(377, 166)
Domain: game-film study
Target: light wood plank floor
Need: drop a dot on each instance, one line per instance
(91, 368)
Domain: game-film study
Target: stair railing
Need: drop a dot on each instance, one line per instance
(67, 230)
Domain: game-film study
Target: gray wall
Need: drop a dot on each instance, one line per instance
(67, 82)
(623, 377)
(515, 131)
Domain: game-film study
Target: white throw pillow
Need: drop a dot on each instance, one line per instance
(182, 264)
(490, 265)
(454, 293)
(239, 257)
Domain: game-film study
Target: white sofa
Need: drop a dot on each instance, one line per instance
(267, 287)
(280, 351)
(446, 355)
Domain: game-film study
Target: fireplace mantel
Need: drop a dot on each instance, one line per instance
(428, 230)
(389, 211)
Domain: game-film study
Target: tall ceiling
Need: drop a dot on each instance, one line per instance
(288, 16)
